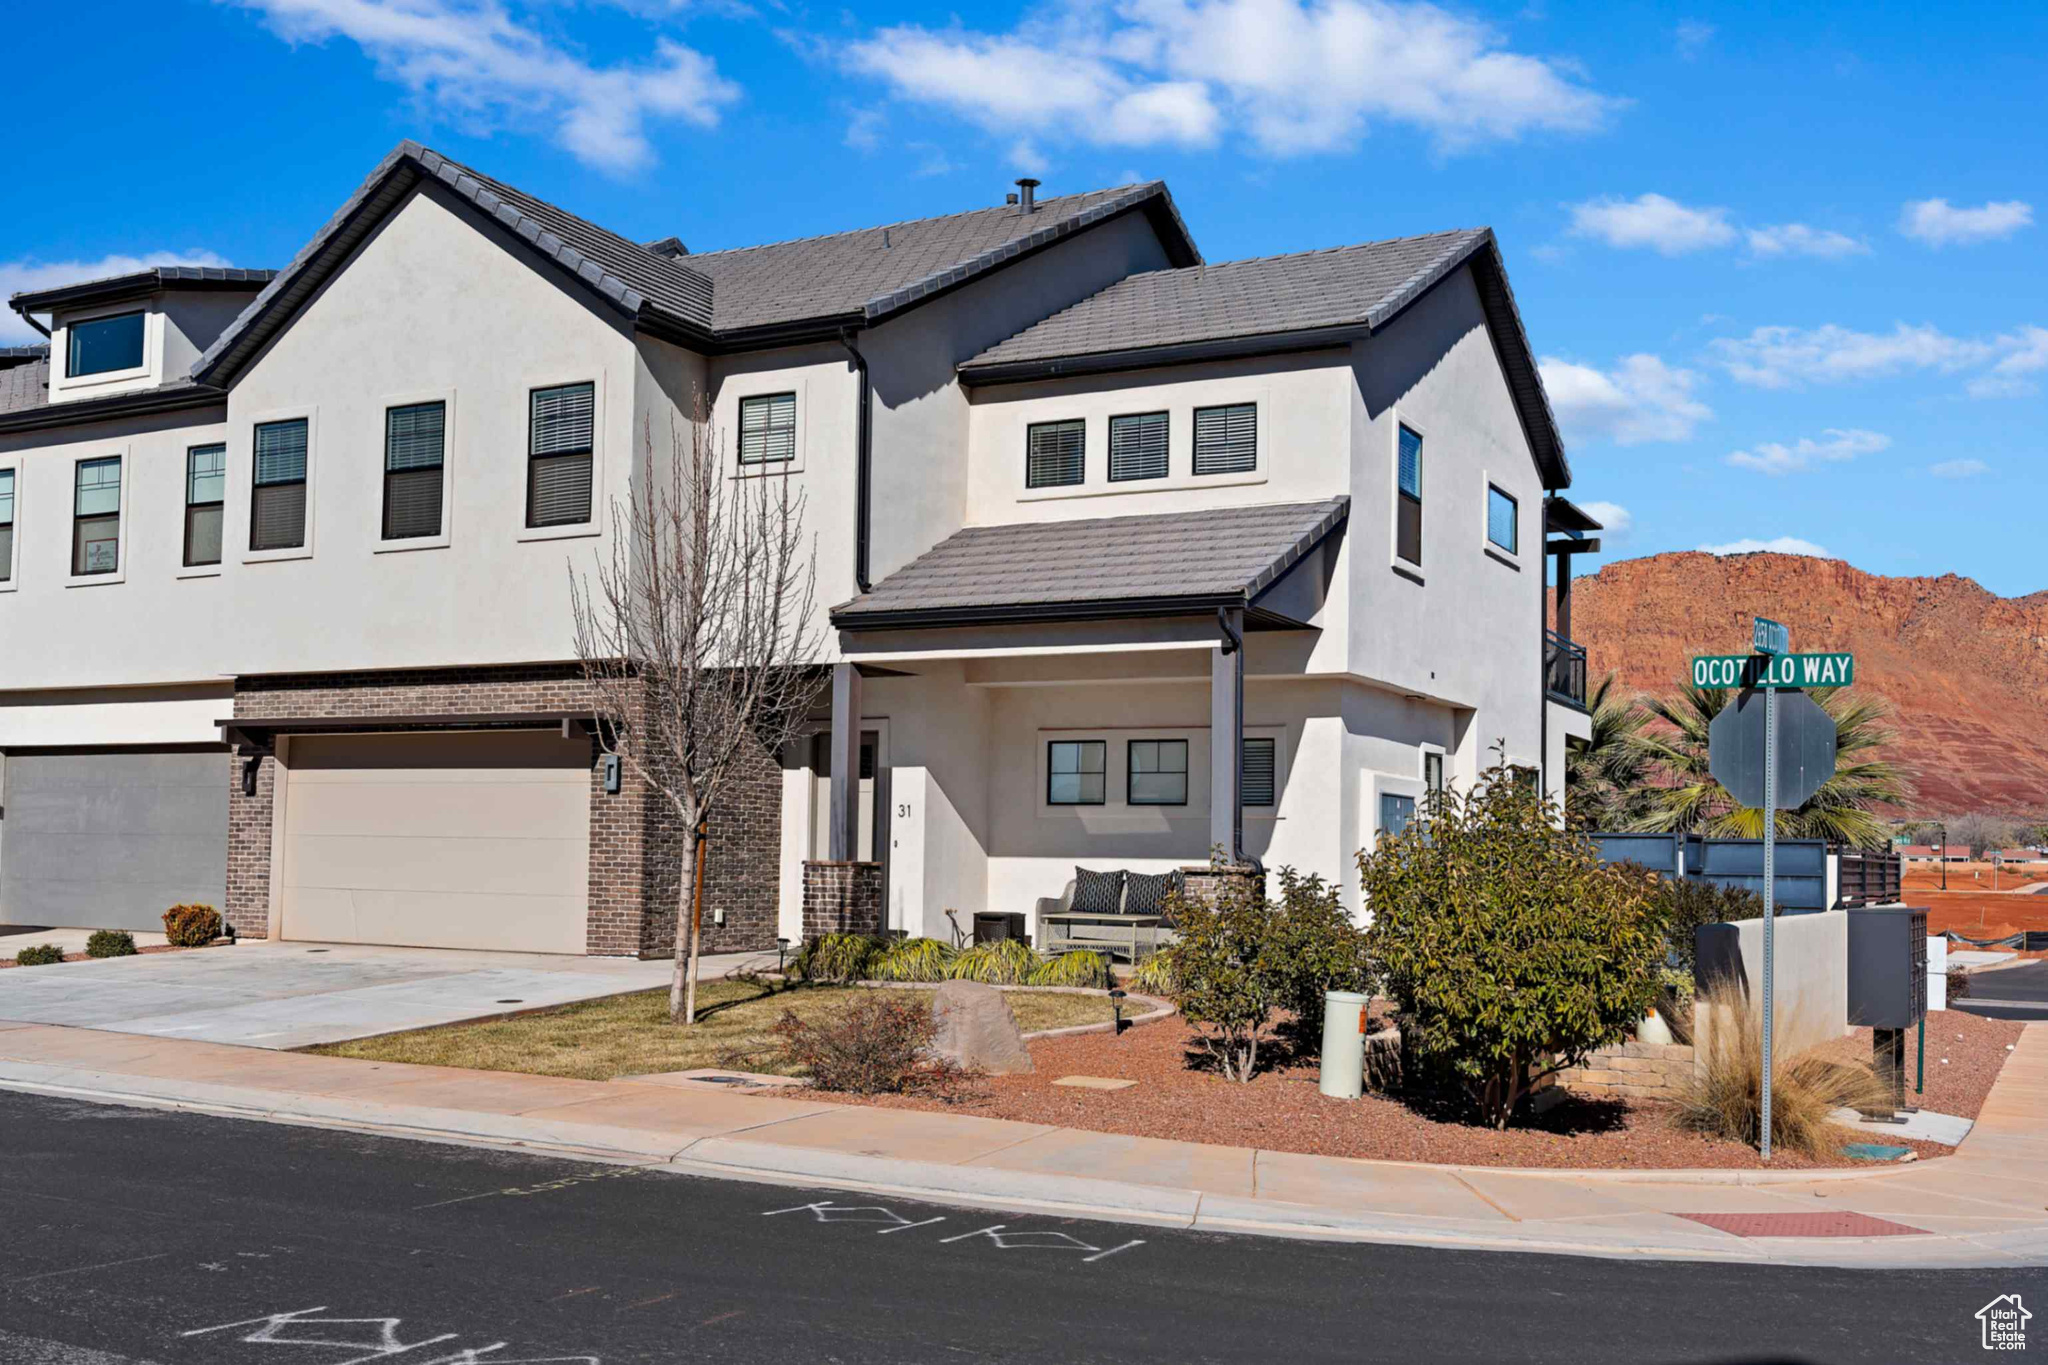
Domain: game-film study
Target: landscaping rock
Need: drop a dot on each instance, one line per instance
(977, 1029)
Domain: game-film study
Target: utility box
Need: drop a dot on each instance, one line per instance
(992, 926)
(1887, 966)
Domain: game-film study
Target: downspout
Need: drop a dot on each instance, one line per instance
(29, 318)
(1231, 624)
(1543, 649)
(862, 463)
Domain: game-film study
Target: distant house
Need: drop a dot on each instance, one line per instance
(2018, 855)
(1934, 853)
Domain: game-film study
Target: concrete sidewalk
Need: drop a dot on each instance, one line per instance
(1982, 1207)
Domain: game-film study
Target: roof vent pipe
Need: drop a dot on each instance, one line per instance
(1027, 195)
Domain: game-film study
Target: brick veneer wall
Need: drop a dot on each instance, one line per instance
(1205, 881)
(1632, 1070)
(842, 898)
(635, 841)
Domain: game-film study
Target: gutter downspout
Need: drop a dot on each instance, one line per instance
(1231, 623)
(863, 463)
(29, 318)
(1543, 652)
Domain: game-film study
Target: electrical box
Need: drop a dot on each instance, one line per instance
(611, 774)
(1887, 966)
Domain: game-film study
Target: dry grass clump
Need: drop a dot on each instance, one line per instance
(1725, 1096)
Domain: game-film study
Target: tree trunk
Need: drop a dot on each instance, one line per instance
(682, 986)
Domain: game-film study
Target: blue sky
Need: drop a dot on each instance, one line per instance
(1782, 267)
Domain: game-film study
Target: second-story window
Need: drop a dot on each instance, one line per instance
(561, 434)
(768, 429)
(1137, 446)
(277, 504)
(1501, 519)
(103, 345)
(96, 517)
(1408, 514)
(415, 439)
(1227, 439)
(6, 524)
(206, 487)
(1055, 454)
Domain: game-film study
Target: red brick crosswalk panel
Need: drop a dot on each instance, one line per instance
(1826, 1223)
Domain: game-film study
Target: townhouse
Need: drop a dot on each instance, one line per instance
(1126, 556)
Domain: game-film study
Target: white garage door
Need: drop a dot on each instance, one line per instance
(454, 840)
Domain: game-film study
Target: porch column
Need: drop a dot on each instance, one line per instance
(845, 748)
(1226, 735)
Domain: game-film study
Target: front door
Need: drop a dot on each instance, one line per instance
(821, 796)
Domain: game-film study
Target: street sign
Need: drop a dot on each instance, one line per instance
(1769, 670)
(1771, 637)
(1805, 748)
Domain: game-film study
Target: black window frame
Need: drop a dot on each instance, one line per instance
(1494, 490)
(1253, 407)
(79, 518)
(1407, 522)
(768, 461)
(1272, 746)
(1165, 417)
(1101, 747)
(1131, 771)
(588, 454)
(1433, 769)
(257, 483)
(13, 474)
(71, 339)
(218, 504)
(440, 468)
(1080, 456)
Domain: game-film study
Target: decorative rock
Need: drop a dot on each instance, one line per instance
(977, 1029)
(1095, 1082)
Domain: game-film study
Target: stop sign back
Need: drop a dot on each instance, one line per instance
(1806, 748)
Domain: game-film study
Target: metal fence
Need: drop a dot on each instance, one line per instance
(1867, 877)
(1564, 669)
(1802, 864)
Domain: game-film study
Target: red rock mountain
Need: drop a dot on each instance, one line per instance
(1966, 671)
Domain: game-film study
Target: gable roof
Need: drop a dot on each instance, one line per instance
(1157, 564)
(1270, 304)
(139, 284)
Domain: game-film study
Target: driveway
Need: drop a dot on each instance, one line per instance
(287, 995)
(2008, 993)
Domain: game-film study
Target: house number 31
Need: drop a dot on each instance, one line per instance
(903, 810)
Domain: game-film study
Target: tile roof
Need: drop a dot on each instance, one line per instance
(1199, 557)
(141, 281)
(25, 386)
(1351, 285)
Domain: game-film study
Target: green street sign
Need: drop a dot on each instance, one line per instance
(1771, 637)
(1773, 670)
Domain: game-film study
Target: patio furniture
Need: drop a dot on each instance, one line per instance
(1061, 929)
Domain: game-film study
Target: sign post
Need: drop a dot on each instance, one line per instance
(1770, 897)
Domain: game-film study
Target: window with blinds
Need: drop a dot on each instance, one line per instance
(1227, 439)
(415, 450)
(1396, 813)
(96, 517)
(277, 510)
(206, 488)
(1500, 518)
(768, 428)
(561, 424)
(1408, 511)
(1156, 773)
(6, 524)
(1257, 789)
(1054, 454)
(1137, 447)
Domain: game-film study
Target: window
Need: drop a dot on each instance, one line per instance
(1408, 512)
(415, 448)
(277, 508)
(206, 486)
(1227, 439)
(1396, 812)
(1157, 773)
(1054, 454)
(1500, 518)
(1137, 447)
(103, 345)
(96, 517)
(560, 438)
(1073, 772)
(1258, 773)
(6, 524)
(1433, 772)
(768, 429)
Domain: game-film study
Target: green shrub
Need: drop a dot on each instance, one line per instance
(110, 943)
(1225, 971)
(1078, 968)
(838, 957)
(39, 955)
(875, 1046)
(913, 959)
(1006, 962)
(1315, 947)
(1153, 976)
(1510, 947)
(191, 926)
(1687, 904)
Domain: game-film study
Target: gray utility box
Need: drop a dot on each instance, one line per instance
(1887, 966)
(994, 927)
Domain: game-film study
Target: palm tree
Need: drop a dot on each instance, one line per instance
(1606, 778)
(1692, 802)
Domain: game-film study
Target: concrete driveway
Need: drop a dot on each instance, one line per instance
(287, 995)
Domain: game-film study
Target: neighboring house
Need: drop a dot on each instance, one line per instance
(1933, 853)
(287, 564)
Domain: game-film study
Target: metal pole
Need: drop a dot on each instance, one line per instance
(1920, 1062)
(1770, 891)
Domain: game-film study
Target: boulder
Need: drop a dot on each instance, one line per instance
(977, 1029)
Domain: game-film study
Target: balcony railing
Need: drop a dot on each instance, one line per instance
(1564, 670)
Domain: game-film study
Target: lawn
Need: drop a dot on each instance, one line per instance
(629, 1035)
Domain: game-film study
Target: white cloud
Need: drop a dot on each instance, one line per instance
(18, 276)
(1835, 445)
(1294, 76)
(1641, 399)
(1958, 469)
(1616, 521)
(1782, 545)
(2026, 353)
(1939, 223)
(1785, 357)
(1693, 37)
(471, 62)
(1652, 220)
(864, 129)
(1798, 239)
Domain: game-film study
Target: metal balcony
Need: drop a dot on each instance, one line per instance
(1564, 670)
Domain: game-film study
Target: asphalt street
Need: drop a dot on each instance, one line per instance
(2009, 993)
(139, 1236)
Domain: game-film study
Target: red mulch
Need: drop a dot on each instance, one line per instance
(1178, 1097)
(81, 957)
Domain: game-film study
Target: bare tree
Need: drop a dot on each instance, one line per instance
(698, 642)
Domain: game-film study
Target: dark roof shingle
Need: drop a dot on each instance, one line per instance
(25, 386)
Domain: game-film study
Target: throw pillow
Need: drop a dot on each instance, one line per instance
(1146, 894)
(1097, 893)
